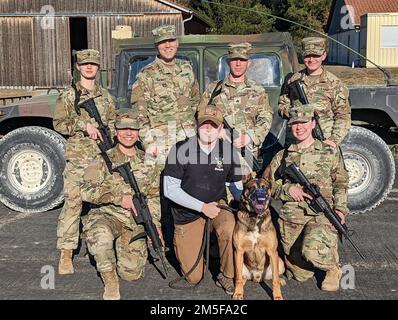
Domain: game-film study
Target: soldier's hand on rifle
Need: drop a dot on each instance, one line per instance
(93, 132)
(127, 203)
(298, 194)
(330, 143)
(160, 237)
(211, 209)
(341, 216)
(242, 141)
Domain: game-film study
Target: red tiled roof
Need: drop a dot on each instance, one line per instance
(362, 7)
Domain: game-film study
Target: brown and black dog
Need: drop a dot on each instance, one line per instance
(255, 240)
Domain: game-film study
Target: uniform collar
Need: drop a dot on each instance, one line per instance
(118, 158)
(322, 76)
(95, 92)
(317, 145)
(167, 69)
(229, 83)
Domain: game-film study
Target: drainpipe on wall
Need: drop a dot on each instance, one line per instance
(183, 22)
(358, 33)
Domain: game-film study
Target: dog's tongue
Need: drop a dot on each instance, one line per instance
(259, 206)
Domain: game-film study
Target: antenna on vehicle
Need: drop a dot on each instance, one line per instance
(387, 75)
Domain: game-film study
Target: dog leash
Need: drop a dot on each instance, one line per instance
(205, 246)
(228, 208)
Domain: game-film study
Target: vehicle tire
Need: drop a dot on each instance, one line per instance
(31, 167)
(371, 168)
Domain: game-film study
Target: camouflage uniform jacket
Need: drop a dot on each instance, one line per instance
(323, 166)
(67, 122)
(332, 96)
(102, 188)
(245, 106)
(164, 93)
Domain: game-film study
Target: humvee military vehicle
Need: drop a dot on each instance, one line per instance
(31, 152)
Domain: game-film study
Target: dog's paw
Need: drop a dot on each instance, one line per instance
(237, 296)
(277, 297)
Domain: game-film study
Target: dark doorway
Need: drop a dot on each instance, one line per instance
(78, 35)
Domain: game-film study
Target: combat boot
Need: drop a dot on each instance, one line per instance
(332, 280)
(111, 283)
(65, 265)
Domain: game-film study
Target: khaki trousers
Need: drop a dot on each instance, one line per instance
(188, 240)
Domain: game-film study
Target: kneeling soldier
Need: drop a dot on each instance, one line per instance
(309, 239)
(112, 217)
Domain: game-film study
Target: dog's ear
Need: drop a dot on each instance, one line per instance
(267, 174)
(247, 177)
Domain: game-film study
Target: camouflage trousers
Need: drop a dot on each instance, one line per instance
(69, 219)
(101, 230)
(313, 244)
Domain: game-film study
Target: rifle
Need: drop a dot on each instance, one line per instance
(296, 89)
(107, 143)
(215, 93)
(144, 216)
(319, 204)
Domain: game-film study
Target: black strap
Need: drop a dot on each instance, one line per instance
(141, 235)
(303, 73)
(216, 92)
(280, 172)
(205, 246)
(285, 85)
(78, 93)
(221, 148)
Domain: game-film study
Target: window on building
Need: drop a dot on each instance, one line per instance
(389, 37)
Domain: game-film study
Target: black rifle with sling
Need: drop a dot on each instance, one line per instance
(144, 216)
(232, 132)
(296, 92)
(318, 202)
(92, 110)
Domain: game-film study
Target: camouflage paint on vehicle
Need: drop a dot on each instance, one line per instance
(37, 107)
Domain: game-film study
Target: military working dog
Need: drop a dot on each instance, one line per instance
(255, 240)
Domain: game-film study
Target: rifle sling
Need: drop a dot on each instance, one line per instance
(205, 246)
(280, 172)
(139, 236)
(78, 93)
(215, 92)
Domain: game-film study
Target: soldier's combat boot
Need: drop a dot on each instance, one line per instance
(65, 265)
(332, 280)
(111, 283)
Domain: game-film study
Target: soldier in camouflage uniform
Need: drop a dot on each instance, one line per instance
(323, 88)
(245, 104)
(309, 239)
(166, 94)
(112, 217)
(81, 147)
